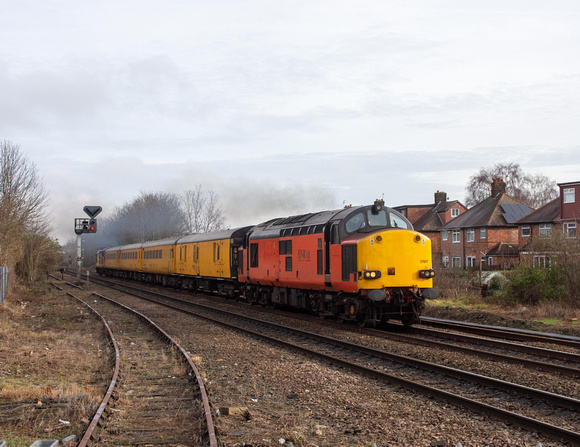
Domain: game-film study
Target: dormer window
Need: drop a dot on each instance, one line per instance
(569, 195)
(454, 212)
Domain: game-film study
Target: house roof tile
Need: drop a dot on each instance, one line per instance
(547, 213)
(489, 213)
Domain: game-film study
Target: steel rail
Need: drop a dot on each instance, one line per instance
(105, 401)
(186, 357)
(498, 413)
(541, 352)
(528, 363)
(507, 333)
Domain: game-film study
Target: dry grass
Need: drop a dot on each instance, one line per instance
(460, 299)
(54, 366)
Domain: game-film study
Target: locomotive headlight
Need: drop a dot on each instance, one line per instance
(426, 273)
(371, 274)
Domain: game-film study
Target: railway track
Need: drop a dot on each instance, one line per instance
(501, 332)
(550, 414)
(156, 395)
(535, 358)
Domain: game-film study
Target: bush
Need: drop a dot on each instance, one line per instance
(529, 286)
(454, 283)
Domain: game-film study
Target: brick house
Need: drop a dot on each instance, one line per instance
(428, 219)
(486, 235)
(561, 214)
(570, 207)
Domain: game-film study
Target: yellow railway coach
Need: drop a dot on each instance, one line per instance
(158, 260)
(209, 261)
(130, 257)
(110, 258)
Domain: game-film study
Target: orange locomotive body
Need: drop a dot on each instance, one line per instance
(365, 264)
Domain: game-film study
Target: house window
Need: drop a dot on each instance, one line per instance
(456, 236)
(454, 212)
(545, 230)
(470, 235)
(526, 231)
(541, 261)
(482, 233)
(456, 262)
(570, 229)
(489, 260)
(444, 235)
(445, 261)
(470, 261)
(483, 260)
(569, 195)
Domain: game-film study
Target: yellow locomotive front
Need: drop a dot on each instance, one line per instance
(393, 259)
(394, 273)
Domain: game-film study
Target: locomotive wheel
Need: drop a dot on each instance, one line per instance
(370, 318)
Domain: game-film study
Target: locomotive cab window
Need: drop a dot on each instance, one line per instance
(355, 223)
(378, 219)
(398, 222)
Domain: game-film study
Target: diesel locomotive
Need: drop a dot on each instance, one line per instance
(364, 264)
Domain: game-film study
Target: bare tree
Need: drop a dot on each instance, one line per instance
(150, 216)
(24, 228)
(192, 202)
(40, 254)
(533, 190)
(202, 211)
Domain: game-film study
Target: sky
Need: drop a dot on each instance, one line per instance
(289, 106)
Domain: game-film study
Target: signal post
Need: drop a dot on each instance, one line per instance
(83, 225)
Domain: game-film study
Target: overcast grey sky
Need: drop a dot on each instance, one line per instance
(283, 107)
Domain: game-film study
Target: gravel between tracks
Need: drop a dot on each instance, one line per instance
(307, 403)
(293, 398)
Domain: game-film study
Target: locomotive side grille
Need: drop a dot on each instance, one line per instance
(348, 261)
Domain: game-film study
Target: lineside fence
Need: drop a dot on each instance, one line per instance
(3, 283)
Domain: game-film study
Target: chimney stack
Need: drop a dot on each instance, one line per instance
(440, 197)
(497, 187)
